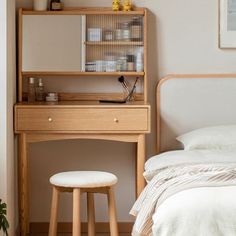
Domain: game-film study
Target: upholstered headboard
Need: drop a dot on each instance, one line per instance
(188, 102)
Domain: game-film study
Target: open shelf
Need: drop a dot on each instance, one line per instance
(78, 73)
(85, 11)
(114, 43)
(90, 97)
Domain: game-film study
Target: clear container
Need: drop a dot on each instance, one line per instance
(119, 32)
(94, 34)
(52, 97)
(110, 59)
(136, 29)
(118, 64)
(108, 35)
(31, 90)
(40, 5)
(111, 66)
(125, 31)
(90, 66)
(99, 66)
(139, 60)
(124, 63)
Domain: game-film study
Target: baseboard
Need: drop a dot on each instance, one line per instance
(17, 232)
(62, 227)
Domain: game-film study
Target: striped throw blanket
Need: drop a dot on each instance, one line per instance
(175, 179)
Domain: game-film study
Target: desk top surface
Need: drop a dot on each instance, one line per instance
(81, 104)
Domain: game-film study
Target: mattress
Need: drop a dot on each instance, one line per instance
(201, 208)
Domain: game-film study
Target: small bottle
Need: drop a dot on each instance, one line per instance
(56, 5)
(40, 91)
(130, 63)
(31, 90)
(136, 29)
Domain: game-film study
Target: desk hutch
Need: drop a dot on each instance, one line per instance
(79, 115)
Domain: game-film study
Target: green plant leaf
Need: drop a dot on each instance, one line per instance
(4, 225)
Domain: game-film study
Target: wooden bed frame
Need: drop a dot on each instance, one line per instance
(190, 101)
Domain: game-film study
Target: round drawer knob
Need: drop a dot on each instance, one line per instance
(116, 120)
(50, 119)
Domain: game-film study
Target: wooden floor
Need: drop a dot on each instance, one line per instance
(81, 235)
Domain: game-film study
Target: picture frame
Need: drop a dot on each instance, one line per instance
(227, 26)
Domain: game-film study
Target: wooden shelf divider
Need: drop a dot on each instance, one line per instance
(78, 73)
(85, 11)
(114, 43)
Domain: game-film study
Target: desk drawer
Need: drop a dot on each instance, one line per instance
(81, 119)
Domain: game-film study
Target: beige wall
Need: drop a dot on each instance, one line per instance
(11, 99)
(183, 38)
(3, 76)
(7, 91)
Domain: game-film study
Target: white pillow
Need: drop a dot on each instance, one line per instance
(215, 137)
(165, 160)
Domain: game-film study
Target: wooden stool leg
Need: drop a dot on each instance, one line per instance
(112, 213)
(91, 214)
(76, 212)
(54, 210)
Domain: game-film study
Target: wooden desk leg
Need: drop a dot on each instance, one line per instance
(140, 182)
(23, 185)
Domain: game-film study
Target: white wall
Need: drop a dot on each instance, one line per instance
(7, 91)
(11, 99)
(3, 92)
(183, 38)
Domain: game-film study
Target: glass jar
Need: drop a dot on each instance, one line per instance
(110, 60)
(136, 29)
(123, 63)
(99, 66)
(52, 97)
(119, 32)
(90, 66)
(108, 35)
(125, 31)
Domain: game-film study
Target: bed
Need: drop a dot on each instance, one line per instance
(191, 186)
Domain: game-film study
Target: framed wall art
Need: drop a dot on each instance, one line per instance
(227, 29)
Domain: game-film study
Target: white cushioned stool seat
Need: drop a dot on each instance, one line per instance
(83, 179)
(89, 182)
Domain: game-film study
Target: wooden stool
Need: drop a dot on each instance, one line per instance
(78, 182)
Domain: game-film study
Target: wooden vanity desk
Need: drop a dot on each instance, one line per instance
(78, 120)
(76, 115)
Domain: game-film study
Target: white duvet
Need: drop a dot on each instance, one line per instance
(203, 211)
(206, 211)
